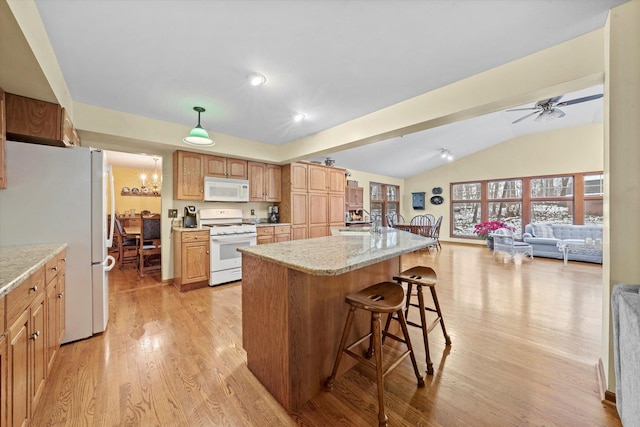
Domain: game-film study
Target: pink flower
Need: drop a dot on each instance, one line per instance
(483, 229)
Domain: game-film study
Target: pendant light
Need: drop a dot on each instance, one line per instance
(198, 136)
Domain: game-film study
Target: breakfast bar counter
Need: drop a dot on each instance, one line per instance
(293, 308)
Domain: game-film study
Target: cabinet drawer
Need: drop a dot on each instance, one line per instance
(51, 269)
(22, 296)
(282, 229)
(265, 231)
(195, 236)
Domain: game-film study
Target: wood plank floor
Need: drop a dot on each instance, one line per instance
(526, 340)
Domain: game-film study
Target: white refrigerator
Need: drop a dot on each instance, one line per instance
(59, 195)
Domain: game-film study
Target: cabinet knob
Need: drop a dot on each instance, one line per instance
(195, 237)
(35, 335)
(34, 288)
(207, 251)
(64, 259)
(55, 268)
(61, 294)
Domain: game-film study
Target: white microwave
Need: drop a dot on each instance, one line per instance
(225, 190)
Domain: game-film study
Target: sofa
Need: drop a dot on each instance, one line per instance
(625, 312)
(544, 239)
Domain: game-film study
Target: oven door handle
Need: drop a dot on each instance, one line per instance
(233, 239)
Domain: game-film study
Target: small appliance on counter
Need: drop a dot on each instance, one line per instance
(190, 220)
(274, 216)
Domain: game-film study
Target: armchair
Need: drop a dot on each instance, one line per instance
(503, 241)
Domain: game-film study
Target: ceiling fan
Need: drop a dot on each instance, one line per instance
(547, 109)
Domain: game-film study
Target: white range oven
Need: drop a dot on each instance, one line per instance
(227, 233)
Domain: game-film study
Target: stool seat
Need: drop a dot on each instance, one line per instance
(418, 275)
(387, 298)
(381, 298)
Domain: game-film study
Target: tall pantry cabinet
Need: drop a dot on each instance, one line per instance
(312, 199)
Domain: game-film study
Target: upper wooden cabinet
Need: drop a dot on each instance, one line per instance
(40, 122)
(325, 179)
(224, 167)
(264, 182)
(354, 198)
(3, 142)
(188, 178)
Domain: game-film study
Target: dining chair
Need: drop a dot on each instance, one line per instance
(394, 219)
(435, 234)
(127, 247)
(149, 249)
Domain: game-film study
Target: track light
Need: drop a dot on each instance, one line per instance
(257, 79)
(446, 154)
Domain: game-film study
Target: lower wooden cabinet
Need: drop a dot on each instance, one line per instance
(35, 325)
(191, 259)
(273, 233)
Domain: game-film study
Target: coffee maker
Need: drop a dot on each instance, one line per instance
(274, 216)
(190, 220)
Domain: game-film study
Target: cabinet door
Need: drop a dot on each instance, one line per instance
(299, 209)
(236, 169)
(263, 240)
(298, 177)
(18, 393)
(61, 305)
(337, 180)
(215, 166)
(32, 120)
(188, 178)
(318, 178)
(38, 333)
(256, 181)
(195, 262)
(319, 214)
(3, 143)
(52, 323)
(336, 210)
(354, 197)
(272, 183)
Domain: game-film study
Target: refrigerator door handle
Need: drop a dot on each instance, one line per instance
(112, 202)
(109, 263)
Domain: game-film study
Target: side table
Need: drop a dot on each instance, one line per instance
(575, 246)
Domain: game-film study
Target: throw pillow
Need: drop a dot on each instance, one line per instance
(543, 230)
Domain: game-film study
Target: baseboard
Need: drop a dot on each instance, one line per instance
(167, 281)
(606, 396)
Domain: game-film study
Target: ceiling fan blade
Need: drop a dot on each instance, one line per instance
(524, 117)
(544, 116)
(523, 109)
(555, 99)
(578, 100)
(557, 113)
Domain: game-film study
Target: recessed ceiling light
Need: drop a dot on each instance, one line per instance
(257, 79)
(299, 117)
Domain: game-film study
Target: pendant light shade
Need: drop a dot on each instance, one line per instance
(198, 136)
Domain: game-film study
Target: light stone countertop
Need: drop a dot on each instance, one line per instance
(17, 263)
(191, 229)
(339, 253)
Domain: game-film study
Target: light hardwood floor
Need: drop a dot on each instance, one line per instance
(526, 339)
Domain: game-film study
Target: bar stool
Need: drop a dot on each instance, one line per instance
(421, 276)
(385, 297)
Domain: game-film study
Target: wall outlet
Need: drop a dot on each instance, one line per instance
(173, 213)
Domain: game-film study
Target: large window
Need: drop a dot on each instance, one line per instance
(384, 200)
(564, 199)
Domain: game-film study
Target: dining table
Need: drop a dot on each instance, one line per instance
(422, 230)
(133, 231)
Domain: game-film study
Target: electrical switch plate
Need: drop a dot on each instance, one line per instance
(173, 213)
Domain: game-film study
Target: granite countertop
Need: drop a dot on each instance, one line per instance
(191, 229)
(339, 253)
(17, 263)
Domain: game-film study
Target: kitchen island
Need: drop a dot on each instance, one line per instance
(293, 308)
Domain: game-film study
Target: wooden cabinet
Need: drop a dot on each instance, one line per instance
(3, 145)
(191, 259)
(34, 329)
(273, 233)
(40, 122)
(27, 350)
(188, 178)
(264, 182)
(314, 211)
(224, 167)
(55, 275)
(354, 198)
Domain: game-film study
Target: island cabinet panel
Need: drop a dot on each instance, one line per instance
(292, 323)
(3, 377)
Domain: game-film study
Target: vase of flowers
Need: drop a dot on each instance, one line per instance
(484, 230)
